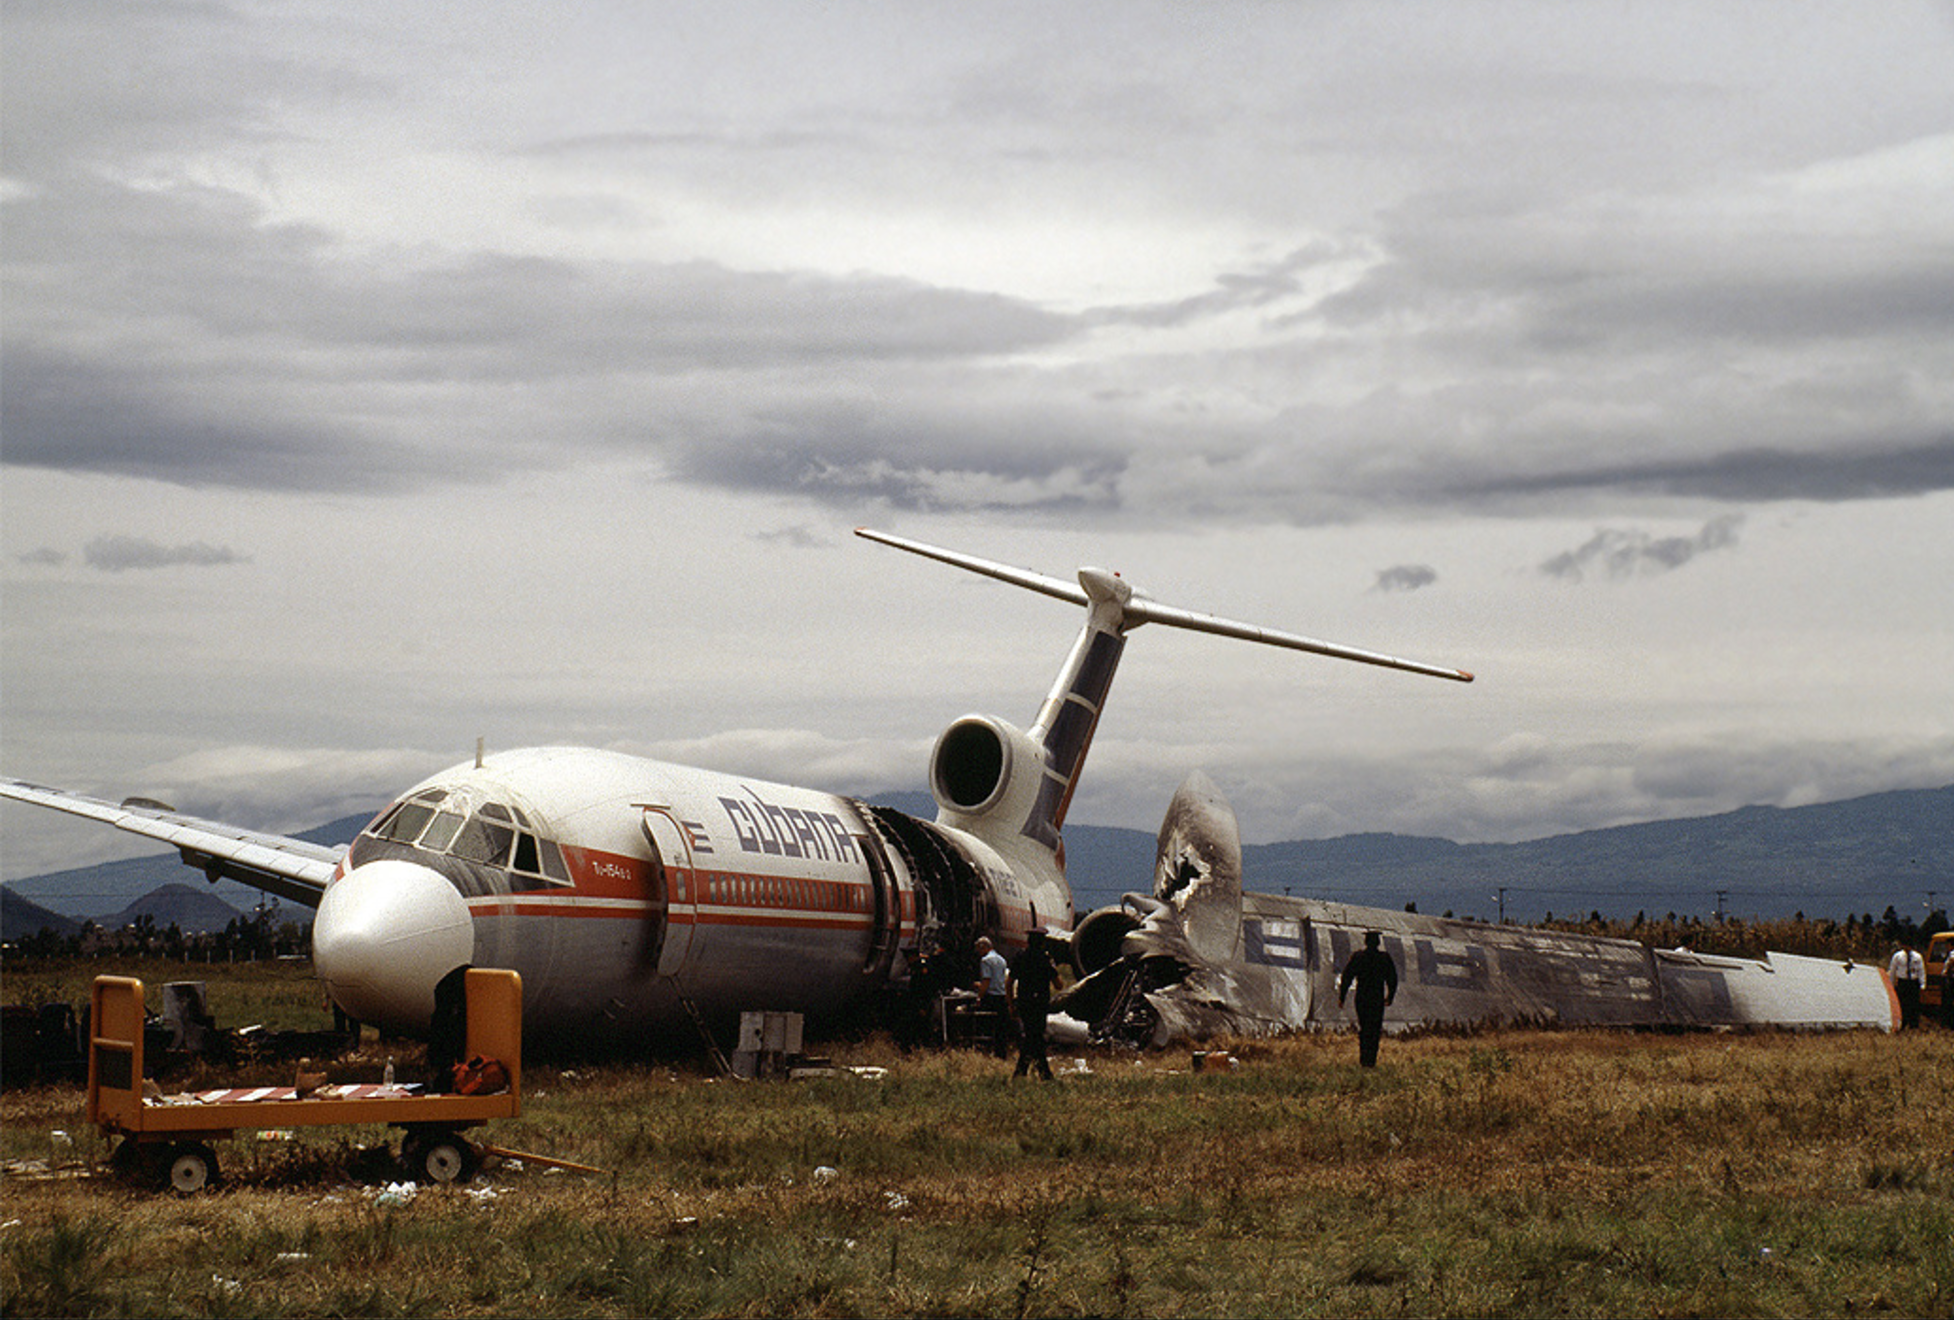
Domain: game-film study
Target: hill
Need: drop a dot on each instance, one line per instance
(1832, 859)
(191, 909)
(97, 892)
(20, 917)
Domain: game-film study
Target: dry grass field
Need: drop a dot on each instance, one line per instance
(1512, 1173)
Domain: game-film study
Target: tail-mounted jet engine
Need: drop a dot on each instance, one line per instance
(985, 769)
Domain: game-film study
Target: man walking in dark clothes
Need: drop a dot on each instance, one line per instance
(1377, 985)
(1030, 993)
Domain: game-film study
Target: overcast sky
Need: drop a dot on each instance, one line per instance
(377, 377)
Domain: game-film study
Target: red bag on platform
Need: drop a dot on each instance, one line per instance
(481, 1076)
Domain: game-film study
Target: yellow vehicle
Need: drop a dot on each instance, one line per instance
(167, 1136)
(1940, 950)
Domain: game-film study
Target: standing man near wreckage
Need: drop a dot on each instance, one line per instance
(1909, 972)
(1377, 985)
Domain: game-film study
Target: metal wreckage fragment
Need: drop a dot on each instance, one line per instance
(1199, 959)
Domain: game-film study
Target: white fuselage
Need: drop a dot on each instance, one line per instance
(619, 888)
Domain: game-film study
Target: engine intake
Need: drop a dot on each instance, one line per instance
(971, 765)
(1096, 942)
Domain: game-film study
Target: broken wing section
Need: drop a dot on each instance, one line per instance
(1200, 958)
(1170, 966)
(1779, 989)
(290, 868)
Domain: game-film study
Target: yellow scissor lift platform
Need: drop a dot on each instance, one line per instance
(169, 1136)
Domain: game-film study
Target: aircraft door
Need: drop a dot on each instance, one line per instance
(887, 897)
(674, 902)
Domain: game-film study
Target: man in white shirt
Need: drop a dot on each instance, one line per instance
(993, 983)
(1909, 972)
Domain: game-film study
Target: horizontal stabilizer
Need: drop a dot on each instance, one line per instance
(1136, 609)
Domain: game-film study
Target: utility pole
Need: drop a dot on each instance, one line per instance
(1720, 894)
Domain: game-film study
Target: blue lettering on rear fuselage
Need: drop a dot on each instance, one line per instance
(762, 827)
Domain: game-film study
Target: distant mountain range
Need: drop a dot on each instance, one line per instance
(113, 894)
(1834, 859)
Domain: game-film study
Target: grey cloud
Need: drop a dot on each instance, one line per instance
(250, 356)
(1621, 554)
(798, 537)
(1405, 577)
(918, 450)
(1866, 471)
(143, 419)
(116, 554)
(45, 557)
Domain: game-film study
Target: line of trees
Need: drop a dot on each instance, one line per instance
(263, 934)
(1857, 937)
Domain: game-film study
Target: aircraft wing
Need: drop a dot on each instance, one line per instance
(289, 868)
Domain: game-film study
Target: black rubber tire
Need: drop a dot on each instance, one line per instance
(438, 1158)
(190, 1167)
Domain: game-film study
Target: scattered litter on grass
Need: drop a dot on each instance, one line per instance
(826, 1173)
(399, 1193)
(895, 1202)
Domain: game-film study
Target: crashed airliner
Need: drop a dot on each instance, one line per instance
(645, 901)
(1200, 958)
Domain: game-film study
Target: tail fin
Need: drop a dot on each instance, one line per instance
(1070, 715)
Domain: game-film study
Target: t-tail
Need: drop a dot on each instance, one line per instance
(1005, 784)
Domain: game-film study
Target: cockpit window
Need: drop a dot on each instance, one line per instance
(442, 832)
(404, 826)
(496, 849)
(483, 840)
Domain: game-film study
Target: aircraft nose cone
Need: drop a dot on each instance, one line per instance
(384, 934)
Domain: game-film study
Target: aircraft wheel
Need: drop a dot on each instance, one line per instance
(192, 1167)
(438, 1157)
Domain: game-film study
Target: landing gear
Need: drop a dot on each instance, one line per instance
(437, 1155)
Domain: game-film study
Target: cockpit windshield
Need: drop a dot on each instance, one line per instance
(488, 847)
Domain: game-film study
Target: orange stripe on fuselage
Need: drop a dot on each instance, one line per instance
(711, 917)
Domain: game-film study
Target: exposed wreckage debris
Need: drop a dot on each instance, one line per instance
(1200, 958)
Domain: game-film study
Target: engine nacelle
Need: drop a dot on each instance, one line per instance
(984, 769)
(1096, 941)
